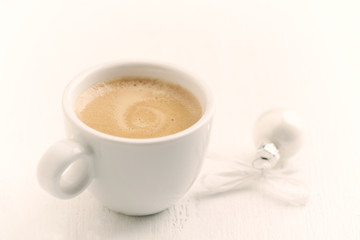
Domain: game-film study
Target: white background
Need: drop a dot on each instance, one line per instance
(255, 55)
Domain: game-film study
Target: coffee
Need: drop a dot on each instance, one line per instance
(137, 107)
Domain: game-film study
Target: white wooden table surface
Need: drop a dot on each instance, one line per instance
(255, 55)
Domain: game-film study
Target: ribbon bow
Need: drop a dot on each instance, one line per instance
(276, 182)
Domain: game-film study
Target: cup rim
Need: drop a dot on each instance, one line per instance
(70, 114)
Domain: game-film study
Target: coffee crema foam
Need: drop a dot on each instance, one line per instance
(135, 107)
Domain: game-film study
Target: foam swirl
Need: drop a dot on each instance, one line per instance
(138, 108)
(142, 116)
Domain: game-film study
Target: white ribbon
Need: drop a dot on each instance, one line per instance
(278, 183)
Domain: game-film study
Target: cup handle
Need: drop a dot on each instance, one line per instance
(65, 170)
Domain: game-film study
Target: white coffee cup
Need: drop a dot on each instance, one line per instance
(131, 176)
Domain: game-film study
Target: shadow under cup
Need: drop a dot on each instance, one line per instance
(140, 176)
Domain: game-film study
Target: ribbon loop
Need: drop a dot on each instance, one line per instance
(278, 183)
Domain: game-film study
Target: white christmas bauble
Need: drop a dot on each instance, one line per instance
(281, 127)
